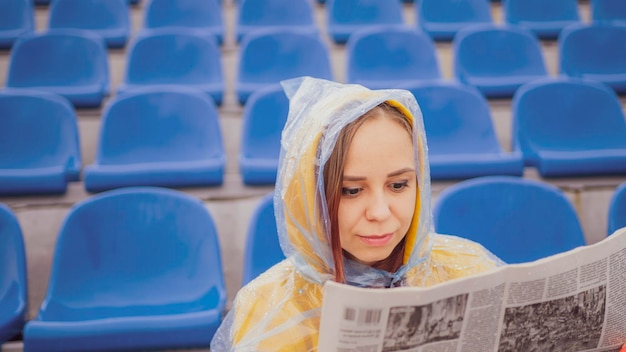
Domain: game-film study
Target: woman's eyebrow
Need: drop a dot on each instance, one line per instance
(391, 174)
(401, 171)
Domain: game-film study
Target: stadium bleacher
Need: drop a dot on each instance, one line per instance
(233, 203)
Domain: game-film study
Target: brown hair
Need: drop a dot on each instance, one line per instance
(333, 179)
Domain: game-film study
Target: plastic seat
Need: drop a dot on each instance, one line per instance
(201, 16)
(264, 117)
(517, 219)
(544, 18)
(254, 15)
(133, 269)
(268, 56)
(595, 52)
(262, 244)
(158, 136)
(462, 141)
(13, 283)
(69, 62)
(108, 18)
(608, 11)
(390, 57)
(174, 57)
(569, 127)
(16, 18)
(617, 209)
(344, 17)
(441, 19)
(39, 143)
(497, 59)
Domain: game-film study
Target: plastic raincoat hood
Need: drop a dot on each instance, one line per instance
(279, 311)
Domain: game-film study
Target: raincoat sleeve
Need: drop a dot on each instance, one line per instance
(278, 311)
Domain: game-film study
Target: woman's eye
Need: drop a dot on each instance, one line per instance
(399, 186)
(350, 192)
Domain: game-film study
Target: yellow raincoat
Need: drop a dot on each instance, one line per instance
(280, 310)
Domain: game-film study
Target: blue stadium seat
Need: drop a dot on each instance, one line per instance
(39, 143)
(262, 244)
(255, 14)
(381, 57)
(344, 17)
(134, 269)
(174, 56)
(462, 141)
(441, 19)
(595, 52)
(617, 209)
(13, 283)
(569, 127)
(608, 11)
(108, 18)
(264, 117)
(517, 219)
(544, 18)
(158, 136)
(497, 59)
(69, 62)
(201, 16)
(268, 56)
(16, 18)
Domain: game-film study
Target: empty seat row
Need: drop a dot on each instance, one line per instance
(495, 59)
(167, 136)
(133, 269)
(440, 18)
(170, 136)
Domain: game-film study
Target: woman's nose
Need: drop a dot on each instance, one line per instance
(378, 208)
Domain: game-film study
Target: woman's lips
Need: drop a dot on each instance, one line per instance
(376, 240)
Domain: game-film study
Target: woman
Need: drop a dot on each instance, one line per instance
(352, 204)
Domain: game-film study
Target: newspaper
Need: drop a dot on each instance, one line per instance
(573, 301)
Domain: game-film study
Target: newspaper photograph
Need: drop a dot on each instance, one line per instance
(573, 301)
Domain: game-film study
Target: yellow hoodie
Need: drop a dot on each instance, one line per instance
(280, 310)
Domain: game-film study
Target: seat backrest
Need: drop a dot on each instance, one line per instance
(38, 129)
(391, 53)
(173, 56)
(617, 209)
(275, 12)
(183, 13)
(364, 12)
(519, 11)
(592, 49)
(92, 14)
(13, 283)
(264, 117)
(519, 220)
(454, 11)
(271, 55)
(566, 114)
(262, 244)
(608, 10)
(59, 57)
(14, 15)
(457, 119)
(492, 50)
(135, 251)
(159, 124)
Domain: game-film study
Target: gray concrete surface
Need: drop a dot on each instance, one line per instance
(233, 203)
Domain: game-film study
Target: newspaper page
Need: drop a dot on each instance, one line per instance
(573, 301)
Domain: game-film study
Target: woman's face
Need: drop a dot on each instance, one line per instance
(378, 190)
